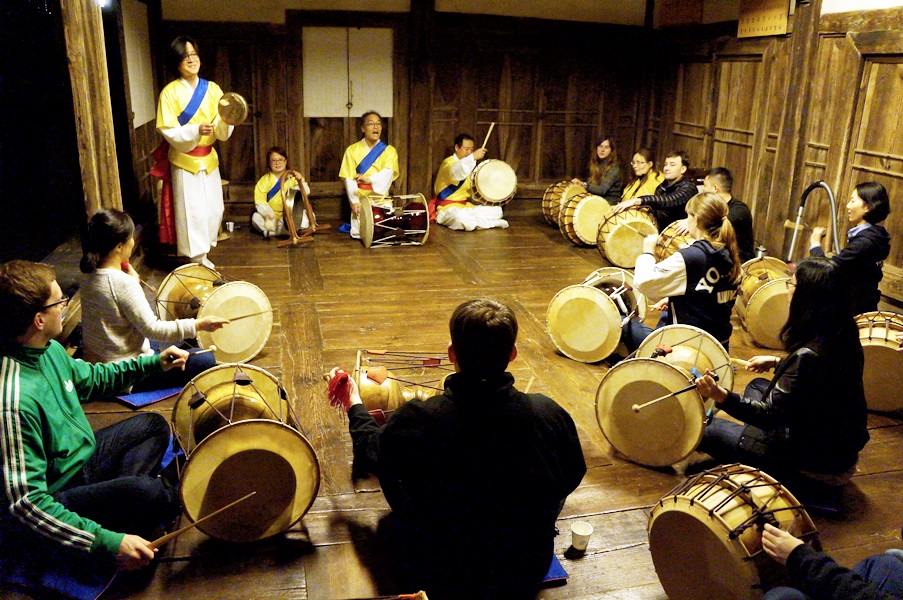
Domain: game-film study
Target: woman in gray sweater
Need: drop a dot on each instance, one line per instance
(117, 320)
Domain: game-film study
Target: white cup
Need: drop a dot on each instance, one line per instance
(580, 533)
(230, 226)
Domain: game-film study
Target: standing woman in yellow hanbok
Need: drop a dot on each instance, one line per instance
(188, 120)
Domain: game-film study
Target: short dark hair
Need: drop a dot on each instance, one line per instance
(874, 196)
(683, 156)
(483, 332)
(722, 177)
(25, 288)
(107, 229)
(367, 114)
(276, 150)
(177, 52)
(462, 137)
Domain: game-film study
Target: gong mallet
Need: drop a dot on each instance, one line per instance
(638, 407)
(160, 541)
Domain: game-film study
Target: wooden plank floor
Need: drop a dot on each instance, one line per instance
(334, 297)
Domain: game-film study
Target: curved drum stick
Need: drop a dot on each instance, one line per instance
(160, 541)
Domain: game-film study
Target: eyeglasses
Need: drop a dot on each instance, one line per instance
(190, 55)
(373, 123)
(64, 302)
(277, 160)
(790, 284)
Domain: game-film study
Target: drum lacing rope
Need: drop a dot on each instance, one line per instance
(179, 279)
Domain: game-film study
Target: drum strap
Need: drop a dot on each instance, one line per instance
(195, 103)
(375, 152)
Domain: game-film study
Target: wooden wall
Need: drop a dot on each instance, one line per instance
(781, 114)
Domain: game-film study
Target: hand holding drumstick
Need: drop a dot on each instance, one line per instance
(708, 388)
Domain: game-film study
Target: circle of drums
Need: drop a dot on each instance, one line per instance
(404, 220)
(649, 410)
(247, 460)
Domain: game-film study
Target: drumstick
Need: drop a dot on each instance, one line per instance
(740, 362)
(488, 133)
(638, 407)
(233, 319)
(640, 233)
(160, 541)
(212, 348)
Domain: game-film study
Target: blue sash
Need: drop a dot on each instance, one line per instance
(273, 191)
(371, 157)
(451, 189)
(195, 103)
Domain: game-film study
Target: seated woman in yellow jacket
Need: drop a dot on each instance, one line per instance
(646, 177)
(268, 197)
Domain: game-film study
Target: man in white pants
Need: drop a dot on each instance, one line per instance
(451, 206)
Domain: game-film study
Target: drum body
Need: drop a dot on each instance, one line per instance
(493, 182)
(705, 540)
(763, 300)
(557, 195)
(584, 320)
(184, 291)
(620, 238)
(881, 335)
(240, 435)
(690, 348)
(660, 434)
(669, 242)
(581, 216)
(394, 220)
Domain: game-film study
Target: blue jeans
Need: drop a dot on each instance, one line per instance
(119, 487)
(196, 364)
(883, 572)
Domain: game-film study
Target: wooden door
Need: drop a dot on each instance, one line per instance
(692, 113)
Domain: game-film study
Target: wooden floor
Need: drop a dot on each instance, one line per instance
(334, 297)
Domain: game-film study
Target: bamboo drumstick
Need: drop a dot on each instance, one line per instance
(488, 133)
(162, 540)
(233, 319)
(638, 407)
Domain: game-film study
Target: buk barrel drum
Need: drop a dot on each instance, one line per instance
(690, 348)
(555, 196)
(240, 435)
(670, 242)
(584, 320)
(394, 221)
(705, 535)
(493, 182)
(620, 238)
(581, 216)
(195, 291)
(881, 335)
(763, 300)
(661, 433)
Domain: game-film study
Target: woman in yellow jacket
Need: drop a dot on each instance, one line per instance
(646, 177)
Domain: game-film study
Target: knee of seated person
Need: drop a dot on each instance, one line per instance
(155, 423)
(198, 363)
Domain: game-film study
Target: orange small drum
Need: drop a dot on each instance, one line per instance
(620, 238)
(394, 221)
(557, 195)
(763, 300)
(493, 182)
(581, 216)
(669, 242)
(881, 335)
(584, 321)
(705, 535)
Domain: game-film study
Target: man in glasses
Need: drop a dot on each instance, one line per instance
(368, 168)
(71, 495)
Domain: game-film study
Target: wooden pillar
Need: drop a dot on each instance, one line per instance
(787, 183)
(83, 28)
(420, 32)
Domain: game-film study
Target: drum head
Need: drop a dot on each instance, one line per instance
(266, 457)
(584, 323)
(669, 242)
(242, 339)
(588, 216)
(366, 220)
(231, 393)
(621, 236)
(494, 182)
(233, 109)
(766, 312)
(191, 282)
(881, 334)
(660, 434)
(556, 196)
(772, 268)
(691, 348)
(616, 277)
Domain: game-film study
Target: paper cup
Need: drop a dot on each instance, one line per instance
(230, 226)
(580, 533)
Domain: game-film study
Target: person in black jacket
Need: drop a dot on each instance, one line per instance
(475, 476)
(809, 422)
(604, 172)
(670, 199)
(817, 577)
(868, 244)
